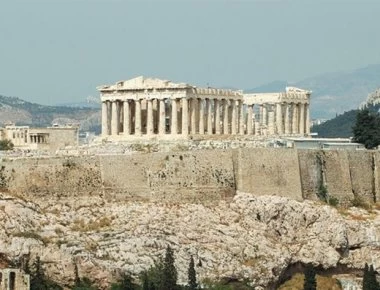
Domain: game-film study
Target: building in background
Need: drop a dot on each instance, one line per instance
(44, 139)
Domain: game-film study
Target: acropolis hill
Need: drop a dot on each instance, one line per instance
(242, 211)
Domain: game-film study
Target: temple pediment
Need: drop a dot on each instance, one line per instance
(142, 82)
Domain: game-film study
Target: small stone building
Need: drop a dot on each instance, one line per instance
(44, 139)
(14, 279)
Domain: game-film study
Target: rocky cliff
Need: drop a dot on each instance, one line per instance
(261, 238)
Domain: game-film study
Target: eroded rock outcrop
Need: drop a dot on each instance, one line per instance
(253, 237)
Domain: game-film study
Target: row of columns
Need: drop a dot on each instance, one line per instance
(285, 118)
(38, 139)
(203, 116)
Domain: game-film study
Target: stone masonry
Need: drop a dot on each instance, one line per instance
(143, 108)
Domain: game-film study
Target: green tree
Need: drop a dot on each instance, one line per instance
(369, 278)
(310, 282)
(125, 283)
(153, 277)
(6, 145)
(367, 128)
(76, 275)
(192, 275)
(366, 277)
(39, 281)
(145, 281)
(84, 284)
(169, 277)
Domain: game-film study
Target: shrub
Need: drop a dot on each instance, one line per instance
(358, 201)
(6, 145)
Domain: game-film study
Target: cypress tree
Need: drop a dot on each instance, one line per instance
(145, 281)
(76, 275)
(192, 283)
(366, 285)
(310, 282)
(38, 280)
(372, 283)
(169, 277)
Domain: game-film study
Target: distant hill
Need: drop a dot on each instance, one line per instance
(275, 86)
(21, 112)
(333, 93)
(340, 126)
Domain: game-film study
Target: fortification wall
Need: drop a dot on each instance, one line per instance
(268, 172)
(198, 176)
(362, 174)
(57, 176)
(336, 174)
(310, 164)
(376, 169)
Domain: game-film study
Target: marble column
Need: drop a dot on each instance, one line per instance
(201, 116)
(174, 123)
(127, 118)
(209, 116)
(104, 119)
(217, 117)
(193, 115)
(271, 123)
(302, 119)
(162, 116)
(287, 119)
(138, 117)
(185, 117)
(119, 116)
(233, 121)
(295, 119)
(241, 118)
(250, 119)
(257, 128)
(109, 116)
(114, 123)
(149, 125)
(265, 115)
(307, 121)
(279, 125)
(225, 117)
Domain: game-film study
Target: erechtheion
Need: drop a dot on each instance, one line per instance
(154, 108)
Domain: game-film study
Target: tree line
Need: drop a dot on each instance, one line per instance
(162, 275)
(367, 128)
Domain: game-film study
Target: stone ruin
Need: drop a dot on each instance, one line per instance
(146, 108)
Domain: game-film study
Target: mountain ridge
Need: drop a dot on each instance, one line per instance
(21, 112)
(333, 92)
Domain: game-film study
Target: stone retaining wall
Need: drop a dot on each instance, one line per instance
(198, 176)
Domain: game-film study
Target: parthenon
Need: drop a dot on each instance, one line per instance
(154, 108)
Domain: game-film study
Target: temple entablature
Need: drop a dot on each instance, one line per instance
(147, 107)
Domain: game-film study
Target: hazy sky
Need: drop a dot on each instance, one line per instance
(59, 51)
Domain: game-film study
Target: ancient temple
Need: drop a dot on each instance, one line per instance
(153, 108)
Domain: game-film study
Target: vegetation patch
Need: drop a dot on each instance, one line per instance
(358, 201)
(6, 145)
(81, 226)
(323, 283)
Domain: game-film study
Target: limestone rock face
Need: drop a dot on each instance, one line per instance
(253, 237)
